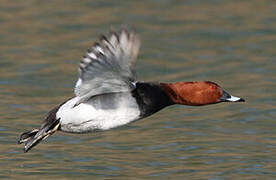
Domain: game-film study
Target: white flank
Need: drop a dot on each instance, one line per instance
(86, 117)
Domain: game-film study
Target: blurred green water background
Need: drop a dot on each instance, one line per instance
(229, 42)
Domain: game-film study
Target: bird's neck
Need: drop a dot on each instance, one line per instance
(151, 97)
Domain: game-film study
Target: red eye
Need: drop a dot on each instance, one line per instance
(212, 87)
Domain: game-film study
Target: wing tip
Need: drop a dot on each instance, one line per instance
(125, 40)
(115, 52)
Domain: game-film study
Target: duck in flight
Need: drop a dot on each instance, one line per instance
(107, 94)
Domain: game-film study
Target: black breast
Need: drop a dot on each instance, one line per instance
(150, 98)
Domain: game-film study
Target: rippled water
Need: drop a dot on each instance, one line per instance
(229, 42)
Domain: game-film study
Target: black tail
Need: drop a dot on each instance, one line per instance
(33, 137)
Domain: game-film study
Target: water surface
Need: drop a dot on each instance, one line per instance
(229, 42)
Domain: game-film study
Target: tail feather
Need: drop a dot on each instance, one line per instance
(35, 136)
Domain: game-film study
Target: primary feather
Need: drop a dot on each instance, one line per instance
(108, 66)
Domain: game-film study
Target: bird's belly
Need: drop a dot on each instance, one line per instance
(86, 118)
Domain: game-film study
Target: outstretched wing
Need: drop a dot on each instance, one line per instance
(108, 65)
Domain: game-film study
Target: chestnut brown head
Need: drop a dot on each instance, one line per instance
(197, 93)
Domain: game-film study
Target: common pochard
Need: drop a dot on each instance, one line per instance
(107, 94)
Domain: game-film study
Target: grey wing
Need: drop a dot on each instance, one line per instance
(108, 66)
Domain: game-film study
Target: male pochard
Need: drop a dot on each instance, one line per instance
(107, 94)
